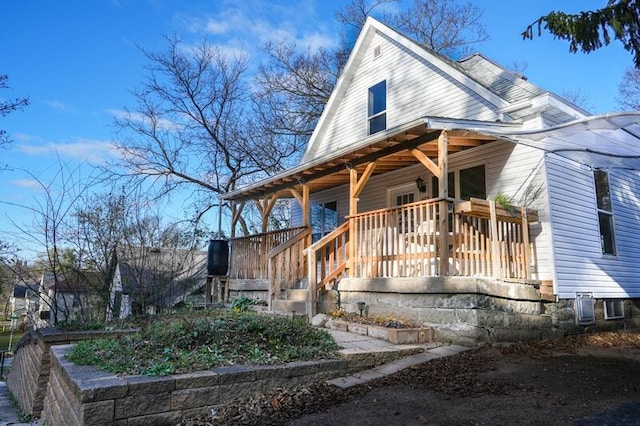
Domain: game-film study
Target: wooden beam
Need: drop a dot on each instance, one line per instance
(319, 172)
(495, 244)
(443, 192)
(368, 171)
(353, 210)
(426, 161)
(443, 165)
(525, 243)
(306, 211)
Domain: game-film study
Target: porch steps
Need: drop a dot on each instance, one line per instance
(287, 307)
(294, 299)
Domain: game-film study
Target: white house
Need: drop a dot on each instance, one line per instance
(456, 193)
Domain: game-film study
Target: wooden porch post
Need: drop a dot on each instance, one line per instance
(495, 244)
(353, 210)
(525, 243)
(303, 200)
(443, 193)
(356, 186)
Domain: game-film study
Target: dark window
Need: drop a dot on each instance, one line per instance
(117, 305)
(605, 213)
(377, 107)
(324, 219)
(472, 183)
(451, 186)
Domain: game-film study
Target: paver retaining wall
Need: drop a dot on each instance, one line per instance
(83, 395)
(29, 374)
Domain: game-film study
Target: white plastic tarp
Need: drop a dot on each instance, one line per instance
(602, 141)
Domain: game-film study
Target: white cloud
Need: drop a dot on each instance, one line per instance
(60, 106)
(32, 184)
(249, 25)
(81, 149)
(217, 27)
(137, 117)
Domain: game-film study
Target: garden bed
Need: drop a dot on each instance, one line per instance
(393, 330)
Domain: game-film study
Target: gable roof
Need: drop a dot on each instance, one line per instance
(509, 95)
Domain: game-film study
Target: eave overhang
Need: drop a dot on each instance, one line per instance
(389, 149)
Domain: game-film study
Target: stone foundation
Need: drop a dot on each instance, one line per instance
(470, 310)
(253, 289)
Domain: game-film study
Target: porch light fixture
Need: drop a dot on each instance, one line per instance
(421, 185)
(361, 306)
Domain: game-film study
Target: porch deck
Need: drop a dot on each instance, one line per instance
(430, 238)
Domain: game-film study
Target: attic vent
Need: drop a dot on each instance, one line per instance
(585, 311)
(377, 51)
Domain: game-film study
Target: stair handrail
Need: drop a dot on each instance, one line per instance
(312, 270)
(273, 254)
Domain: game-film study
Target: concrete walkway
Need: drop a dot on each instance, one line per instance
(8, 413)
(352, 344)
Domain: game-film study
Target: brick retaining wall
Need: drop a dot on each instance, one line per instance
(83, 395)
(29, 374)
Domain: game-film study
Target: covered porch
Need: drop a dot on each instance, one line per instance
(435, 237)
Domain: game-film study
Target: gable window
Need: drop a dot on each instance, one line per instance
(605, 213)
(377, 107)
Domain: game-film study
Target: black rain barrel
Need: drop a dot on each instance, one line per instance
(218, 257)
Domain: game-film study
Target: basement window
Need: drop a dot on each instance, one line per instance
(585, 310)
(613, 309)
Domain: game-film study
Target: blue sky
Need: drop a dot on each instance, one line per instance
(77, 60)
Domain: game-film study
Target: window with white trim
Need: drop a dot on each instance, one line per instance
(605, 213)
(613, 309)
(377, 107)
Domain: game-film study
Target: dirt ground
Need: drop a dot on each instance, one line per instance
(584, 380)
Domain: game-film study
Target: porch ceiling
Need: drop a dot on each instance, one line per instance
(390, 152)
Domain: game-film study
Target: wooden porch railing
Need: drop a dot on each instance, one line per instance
(249, 254)
(327, 259)
(399, 242)
(287, 265)
(492, 241)
(412, 241)
(437, 237)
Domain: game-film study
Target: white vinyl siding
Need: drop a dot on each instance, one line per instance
(580, 264)
(415, 88)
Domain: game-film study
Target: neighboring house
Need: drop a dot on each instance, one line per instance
(455, 193)
(157, 279)
(23, 302)
(70, 297)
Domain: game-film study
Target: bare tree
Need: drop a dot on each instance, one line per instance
(9, 106)
(191, 127)
(629, 90)
(295, 83)
(448, 27)
(50, 214)
(578, 98)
